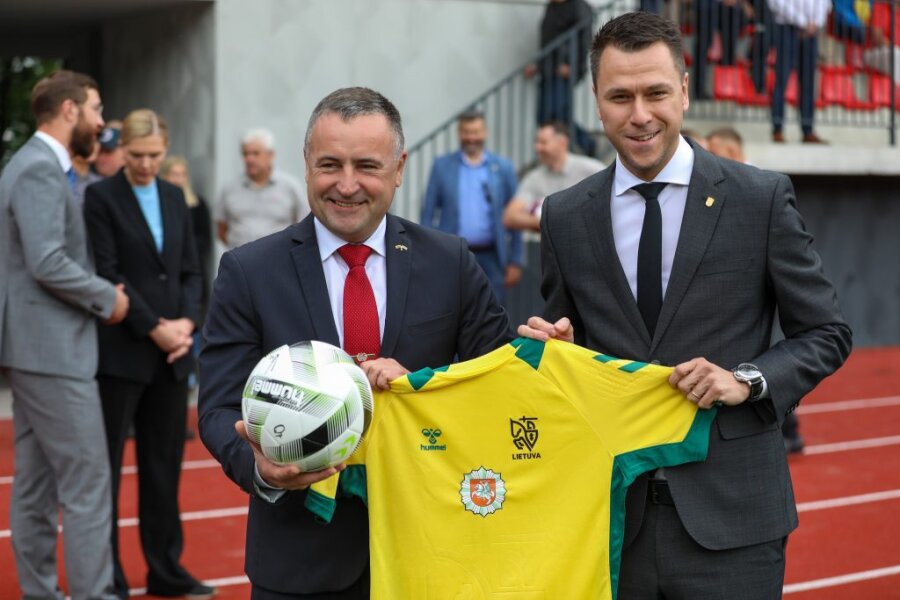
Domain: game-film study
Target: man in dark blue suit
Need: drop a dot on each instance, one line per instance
(433, 304)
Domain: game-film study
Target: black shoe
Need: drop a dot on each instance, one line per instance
(198, 591)
(793, 445)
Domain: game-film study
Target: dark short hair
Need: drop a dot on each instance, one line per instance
(636, 31)
(351, 102)
(49, 93)
(557, 126)
(469, 115)
(727, 133)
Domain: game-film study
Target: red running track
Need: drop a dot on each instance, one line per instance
(847, 546)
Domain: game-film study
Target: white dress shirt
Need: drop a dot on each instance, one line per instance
(336, 271)
(62, 155)
(628, 206)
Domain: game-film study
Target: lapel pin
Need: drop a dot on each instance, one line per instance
(710, 201)
(401, 247)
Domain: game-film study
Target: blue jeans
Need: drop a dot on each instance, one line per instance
(495, 272)
(794, 51)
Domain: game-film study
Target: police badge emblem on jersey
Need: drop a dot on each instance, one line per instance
(482, 491)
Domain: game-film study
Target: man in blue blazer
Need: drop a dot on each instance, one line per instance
(467, 192)
(433, 304)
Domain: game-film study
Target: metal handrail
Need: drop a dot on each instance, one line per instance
(510, 108)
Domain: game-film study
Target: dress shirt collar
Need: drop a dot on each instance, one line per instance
(62, 155)
(329, 243)
(677, 171)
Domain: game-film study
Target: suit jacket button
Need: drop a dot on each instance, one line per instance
(163, 277)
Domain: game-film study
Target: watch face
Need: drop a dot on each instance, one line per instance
(746, 371)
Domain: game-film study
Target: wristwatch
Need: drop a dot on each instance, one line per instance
(749, 373)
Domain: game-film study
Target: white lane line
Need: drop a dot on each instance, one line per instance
(200, 515)
(827, 407)
(218, 583)
(827, 582)
(848, 501)
(188, 465)
(891, 440)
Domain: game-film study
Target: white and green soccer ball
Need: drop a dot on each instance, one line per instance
(308, 405)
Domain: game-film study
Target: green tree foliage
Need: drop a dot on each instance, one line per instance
(17, 77)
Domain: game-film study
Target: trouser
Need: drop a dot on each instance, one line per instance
(794, 50)
(555, 104)
(159, 412)
(60, 464)
(664, 561)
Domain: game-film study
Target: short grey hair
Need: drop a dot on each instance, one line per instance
(351, 102)
(258, 134)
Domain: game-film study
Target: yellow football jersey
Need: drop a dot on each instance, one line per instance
(505, 476)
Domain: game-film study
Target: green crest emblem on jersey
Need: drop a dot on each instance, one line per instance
(482, 491)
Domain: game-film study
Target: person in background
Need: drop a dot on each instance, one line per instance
(426, 303)
(263, 200)
(109, 155)
(695, 136)
(796, 40)
(141, 235)
(84, 174)
(50, 300)
(673, 255)
(557, 170)
(727, 143)
(466, 195)
(561, 69)
(175, 170)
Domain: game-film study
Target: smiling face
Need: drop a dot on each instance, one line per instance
(143, 157)
(352, 170)
(641, 99)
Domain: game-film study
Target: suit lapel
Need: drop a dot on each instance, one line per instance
(170, 224)
(135, 215)
(398, 262)
(311, 276)
(697, 228)
(604, 248)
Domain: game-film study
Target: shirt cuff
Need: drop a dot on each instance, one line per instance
(265, 491)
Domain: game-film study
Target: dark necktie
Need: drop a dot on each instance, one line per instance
(362, 334)
(649, 270)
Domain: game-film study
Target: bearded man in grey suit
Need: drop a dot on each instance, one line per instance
(669, 255)
(49, 300)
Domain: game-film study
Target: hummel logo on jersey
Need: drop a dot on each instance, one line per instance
(432, 435)
(524, 433)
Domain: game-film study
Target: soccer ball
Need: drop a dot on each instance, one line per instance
(308, 405)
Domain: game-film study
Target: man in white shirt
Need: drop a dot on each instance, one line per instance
(557, 170)
(263, 200)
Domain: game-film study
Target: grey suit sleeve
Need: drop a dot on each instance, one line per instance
(817, 339)
(40, 214)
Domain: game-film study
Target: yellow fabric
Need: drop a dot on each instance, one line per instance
(550, 536)
(863, 10)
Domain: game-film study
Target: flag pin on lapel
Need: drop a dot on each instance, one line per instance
(710, 201)
(401, 247)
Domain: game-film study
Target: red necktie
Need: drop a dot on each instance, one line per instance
(362, 335)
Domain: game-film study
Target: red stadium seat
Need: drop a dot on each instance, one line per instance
(727, 83)
(880, 91)
(836, 88)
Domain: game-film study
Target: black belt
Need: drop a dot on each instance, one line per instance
(483, 248)
(658, 492)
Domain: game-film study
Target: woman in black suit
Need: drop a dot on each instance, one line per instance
(141, 234)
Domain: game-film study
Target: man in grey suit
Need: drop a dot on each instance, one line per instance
(49, 300)
(669, 255)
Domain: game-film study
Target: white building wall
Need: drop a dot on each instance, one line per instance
(275, 59)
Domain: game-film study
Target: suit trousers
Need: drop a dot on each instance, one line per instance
(59, 463)
(496, 273)
(664, 561)
(158, 411)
